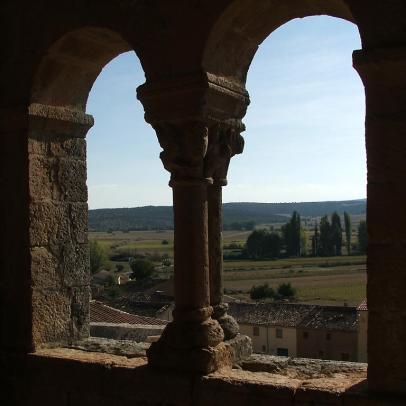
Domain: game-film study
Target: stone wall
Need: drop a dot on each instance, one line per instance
(58, 224)
(196, 56)
(71, 378)
(124, 331)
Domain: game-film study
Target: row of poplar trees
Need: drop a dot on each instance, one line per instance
(327, 239)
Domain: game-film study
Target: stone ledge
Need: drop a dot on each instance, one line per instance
(123, 380)
(123, 348)
(303, 368)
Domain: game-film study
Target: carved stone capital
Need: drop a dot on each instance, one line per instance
(184, 147)
(225, 141)
(384, 66)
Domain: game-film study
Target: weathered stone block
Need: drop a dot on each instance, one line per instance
(80, 318)
(240, 388)
(68, 147)
(38, 145)
(51, 316)
(44, 268)
(49, 224)
(42, 178)
(78, 222)
(72, 180)
(73, 265)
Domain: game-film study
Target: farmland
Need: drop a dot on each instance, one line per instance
(330, 280)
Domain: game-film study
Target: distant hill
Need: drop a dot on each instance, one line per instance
(161, 217)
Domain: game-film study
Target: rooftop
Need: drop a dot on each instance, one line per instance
(295, 315)
(101, 313)
(269, 314)
(339, 318)
(363, 306)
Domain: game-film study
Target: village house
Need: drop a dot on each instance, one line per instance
(301, 330)
(271, 326)
(328, 332)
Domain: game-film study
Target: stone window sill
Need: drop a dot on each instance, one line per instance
(291, 382)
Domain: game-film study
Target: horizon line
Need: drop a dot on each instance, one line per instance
(242, 202)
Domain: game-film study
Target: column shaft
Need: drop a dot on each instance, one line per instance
(215, 221)
(190, 247)
(385, 82)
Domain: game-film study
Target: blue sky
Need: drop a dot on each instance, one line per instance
(305, 125)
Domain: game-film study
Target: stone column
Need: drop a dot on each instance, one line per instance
(225, 141)
(59, 259)
(193, 341)
(383, 74)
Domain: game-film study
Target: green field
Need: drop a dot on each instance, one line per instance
(332, 280)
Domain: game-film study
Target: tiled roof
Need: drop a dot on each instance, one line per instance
(143, 306)
(270, 314)
(295, 315)
(101, 313)
(340, 318)
(363, 305)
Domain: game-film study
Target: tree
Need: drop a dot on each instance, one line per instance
(348, 232)
(272, 244)
(362, 237)
(261, 292)
(263, 244)
(97, 256)
(325, 245)
(303, 242)
(336, 233)
(141, 268)
(286, 290)
(255, 244)
(291, 235)
(315, 241)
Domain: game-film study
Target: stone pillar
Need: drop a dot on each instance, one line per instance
(193, 341)
(224, 142)
(383, 74)
(59, 259)
(188, 114)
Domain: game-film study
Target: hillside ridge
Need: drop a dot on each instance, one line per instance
(161, 217)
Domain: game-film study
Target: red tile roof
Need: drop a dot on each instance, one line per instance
(101, 313)
(363, 306)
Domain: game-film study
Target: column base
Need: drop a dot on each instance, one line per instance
(240, 348)
(191, 346)
(196, 360)
(228, 323)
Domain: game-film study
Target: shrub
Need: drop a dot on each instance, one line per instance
(97, 256)
(141, 268)
(261, 292)
(286, 290)
(165, 242)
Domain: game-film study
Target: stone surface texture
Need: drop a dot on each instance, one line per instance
(196, 56)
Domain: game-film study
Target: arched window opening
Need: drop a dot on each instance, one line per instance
(58, 127)
(130, 213)
(304, 143)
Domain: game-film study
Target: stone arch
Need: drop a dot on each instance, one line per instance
(57, 173)
(240, 30)
(69, 68)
